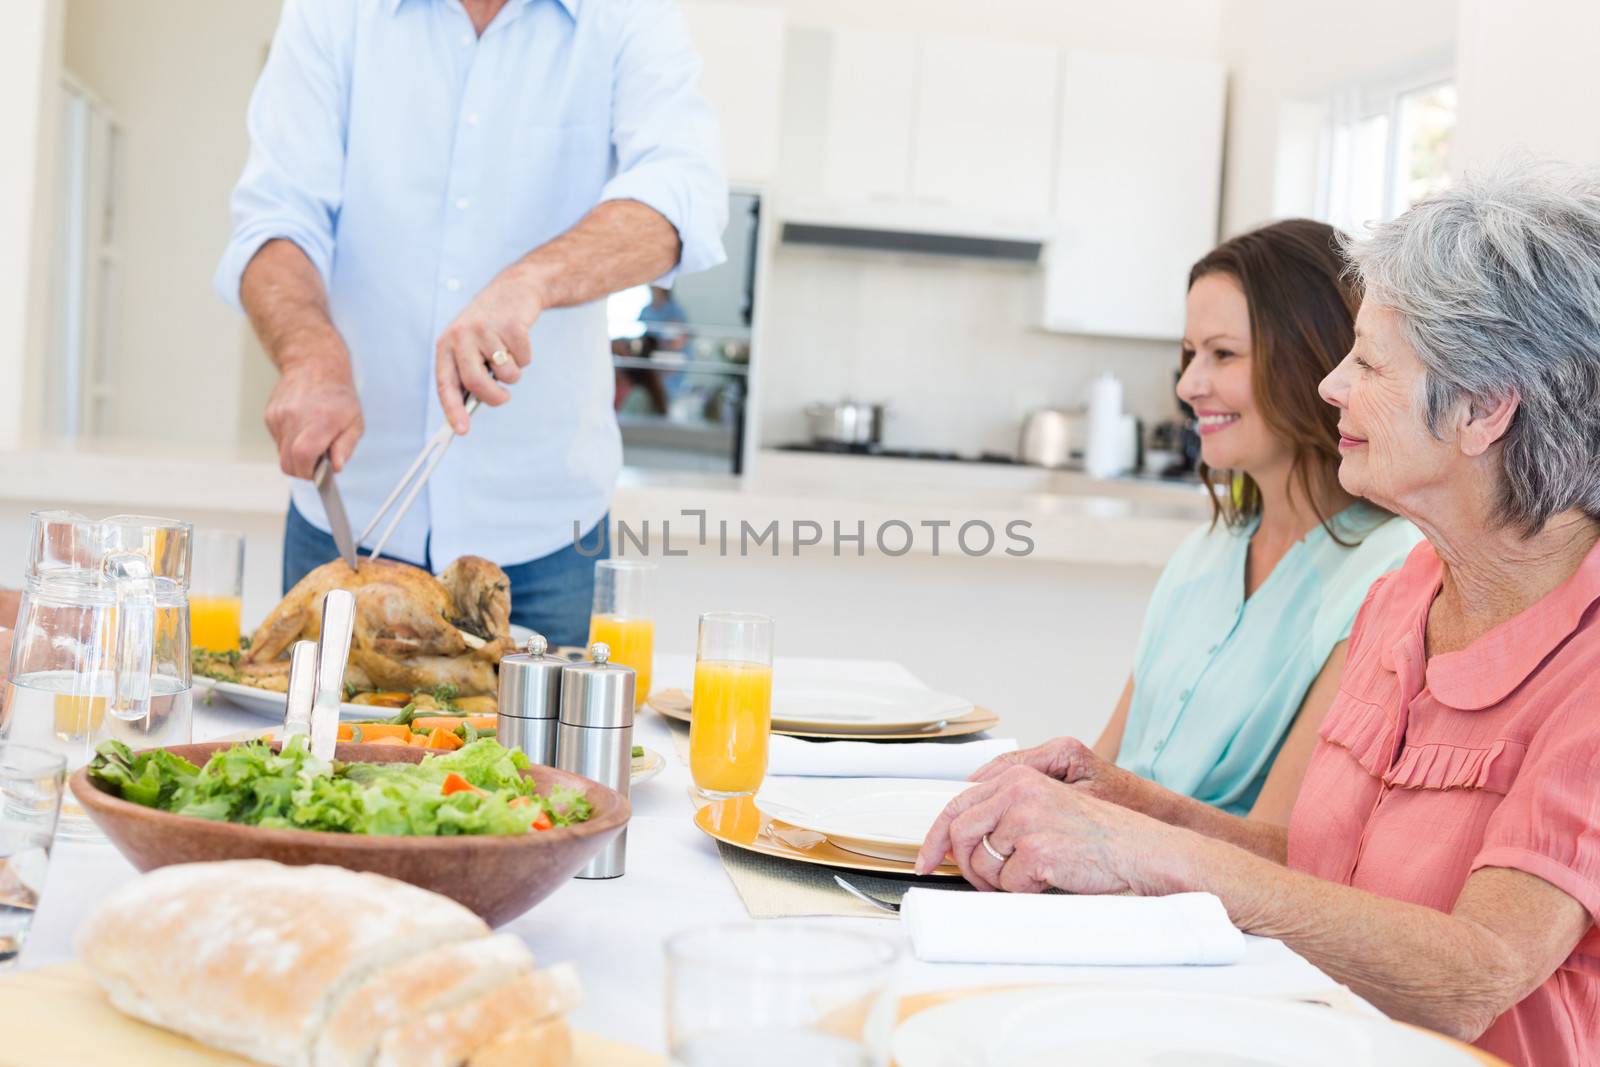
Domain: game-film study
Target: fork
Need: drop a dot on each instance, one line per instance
(890, 906)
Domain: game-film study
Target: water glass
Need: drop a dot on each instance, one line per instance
(779, 995)
(31, 783)
(216, 590)
(731, 708)
(624, 618)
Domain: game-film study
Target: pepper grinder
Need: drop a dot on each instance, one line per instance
(530, 701)
(595, 738)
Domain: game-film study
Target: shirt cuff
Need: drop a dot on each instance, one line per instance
(244, 245)
(697, 230)
(1574, 884)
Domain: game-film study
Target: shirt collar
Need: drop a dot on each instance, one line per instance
(571, 6)
(1486, 672)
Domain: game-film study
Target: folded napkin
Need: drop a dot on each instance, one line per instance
(877, 759)
(1075, 930)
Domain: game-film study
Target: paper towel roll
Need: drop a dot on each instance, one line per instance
(1103, 454)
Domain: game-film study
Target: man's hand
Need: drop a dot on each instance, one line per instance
(487, 344)
(314, 409)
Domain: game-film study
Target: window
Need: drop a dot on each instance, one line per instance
(1385, 148)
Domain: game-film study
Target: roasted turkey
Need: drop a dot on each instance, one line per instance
(412, 630)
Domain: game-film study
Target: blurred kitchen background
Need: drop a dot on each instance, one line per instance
(950, 224)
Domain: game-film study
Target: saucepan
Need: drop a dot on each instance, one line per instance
(845, 422)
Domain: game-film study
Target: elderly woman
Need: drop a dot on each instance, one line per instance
(1443, 857)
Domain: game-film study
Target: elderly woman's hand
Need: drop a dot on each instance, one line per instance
(1070, 761)
(1046, 834)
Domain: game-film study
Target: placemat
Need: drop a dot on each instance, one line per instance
(773, 888)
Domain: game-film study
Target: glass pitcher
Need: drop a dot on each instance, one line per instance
(101, 648)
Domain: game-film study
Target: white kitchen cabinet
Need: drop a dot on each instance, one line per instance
(1137, 188)
(742, 49)
(870, 116)
(985, 126)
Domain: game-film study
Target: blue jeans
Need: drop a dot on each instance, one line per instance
(552, 595)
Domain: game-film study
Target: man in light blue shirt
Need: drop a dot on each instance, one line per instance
(439, 194)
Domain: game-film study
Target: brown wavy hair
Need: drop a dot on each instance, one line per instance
(1303, 305)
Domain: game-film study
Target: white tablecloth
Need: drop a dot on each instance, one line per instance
(614, 929)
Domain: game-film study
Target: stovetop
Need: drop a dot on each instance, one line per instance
(898, 453)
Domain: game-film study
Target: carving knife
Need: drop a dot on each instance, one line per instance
(333, 505)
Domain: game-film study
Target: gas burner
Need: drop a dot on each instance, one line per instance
(933, 454)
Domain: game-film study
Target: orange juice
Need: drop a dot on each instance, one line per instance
(632, 643)
(728, 726)
(214, 623)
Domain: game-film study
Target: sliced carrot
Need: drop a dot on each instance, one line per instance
(518, 802)
(484, 722)
(347, 732)
(454, 783)
(371, 731)
(426, 723)
(543, 821)
(389, 741)
(417, 740)
(441, 738)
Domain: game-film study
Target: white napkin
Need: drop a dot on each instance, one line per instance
(1184, 928)
(872, 759)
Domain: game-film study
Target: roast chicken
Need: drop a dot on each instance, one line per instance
(412, 630)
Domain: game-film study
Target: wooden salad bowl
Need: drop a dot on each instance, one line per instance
(495, 875)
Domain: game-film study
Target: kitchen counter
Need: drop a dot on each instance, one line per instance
(788, 503)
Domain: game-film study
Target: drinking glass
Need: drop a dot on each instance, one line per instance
(31, 784)
(778, 995)
(624, 619)
(216, 590)
(101, 648)
(731, 709)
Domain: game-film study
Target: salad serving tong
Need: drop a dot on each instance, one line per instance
(316, 676)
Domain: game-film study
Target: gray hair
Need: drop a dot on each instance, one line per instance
(1497, 284)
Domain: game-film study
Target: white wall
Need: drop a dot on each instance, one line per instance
(177, 74)
(1527, 80)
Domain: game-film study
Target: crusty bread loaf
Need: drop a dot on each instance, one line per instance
(253, 956)
(454, 1035)
(440, 978)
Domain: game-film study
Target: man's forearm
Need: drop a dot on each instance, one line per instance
(620, 243)
(288, 306)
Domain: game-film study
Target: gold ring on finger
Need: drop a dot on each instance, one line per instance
(991, 850)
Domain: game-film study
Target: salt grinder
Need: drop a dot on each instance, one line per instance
(596, 737)
(530, 701)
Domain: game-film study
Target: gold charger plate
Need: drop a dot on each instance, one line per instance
(740, 823)
(674, 704)
(58, 1017)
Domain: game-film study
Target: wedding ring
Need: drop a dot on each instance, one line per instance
(990, 849)
(499, 357)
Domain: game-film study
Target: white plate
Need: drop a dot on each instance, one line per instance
(1156, 1028)
(882, 817)
(862, 707)
(270, 704)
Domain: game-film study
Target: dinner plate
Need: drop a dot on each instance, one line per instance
(674, 704)
(269, 703)
(887, 818)
(739, 822)
(1157, 1028)
(862, 707)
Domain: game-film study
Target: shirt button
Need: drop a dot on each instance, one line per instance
(472, 119)
(466, 38)
(463, 203)
(452, 284)
(1184, 695)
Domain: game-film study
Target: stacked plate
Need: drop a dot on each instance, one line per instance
(864, 708)
(885, 818)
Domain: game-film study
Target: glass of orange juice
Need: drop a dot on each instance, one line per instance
(624, 620)
(731, 709)
(216, 589)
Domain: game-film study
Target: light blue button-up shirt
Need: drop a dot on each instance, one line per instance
(412, 160)
(1218, 679)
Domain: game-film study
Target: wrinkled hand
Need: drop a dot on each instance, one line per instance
(314, 409)
(1051, 835)
(1070, 761)
(497, 321)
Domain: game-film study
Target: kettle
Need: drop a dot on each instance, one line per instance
(1052, 437)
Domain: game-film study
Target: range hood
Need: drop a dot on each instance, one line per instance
(912, 227)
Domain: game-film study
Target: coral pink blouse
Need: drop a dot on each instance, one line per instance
(1429, 769)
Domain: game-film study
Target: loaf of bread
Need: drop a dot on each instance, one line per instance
(324, 967)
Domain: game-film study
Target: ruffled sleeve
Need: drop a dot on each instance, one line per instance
(1549, 823)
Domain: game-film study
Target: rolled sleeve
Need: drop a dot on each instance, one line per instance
(668, 149)
(293, 178)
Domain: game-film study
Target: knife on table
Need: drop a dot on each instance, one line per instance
(333, 652)
(333, 505)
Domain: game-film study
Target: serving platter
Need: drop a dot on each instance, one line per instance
(84, 1028)
(885, 818)
(741, 823)
(1029, 1026)
(675, 704)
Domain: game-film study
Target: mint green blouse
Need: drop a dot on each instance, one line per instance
(1218, 679)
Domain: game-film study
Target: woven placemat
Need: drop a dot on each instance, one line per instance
(774, 888)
